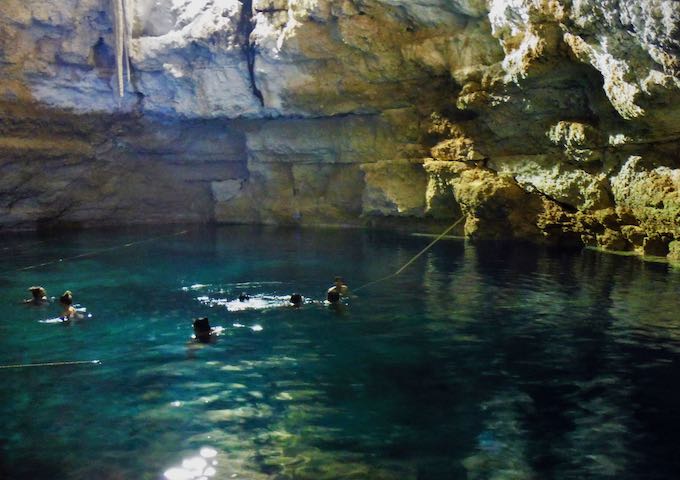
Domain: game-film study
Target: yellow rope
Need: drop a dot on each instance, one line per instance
(51, 364)
(414, 258)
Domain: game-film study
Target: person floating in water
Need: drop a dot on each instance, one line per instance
(203, 332)
(296, 300)
(243, 297)
(333, 297)
(66, 301)
(340, 287)
(39, 296)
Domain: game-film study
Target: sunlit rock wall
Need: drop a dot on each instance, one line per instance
(551, 120)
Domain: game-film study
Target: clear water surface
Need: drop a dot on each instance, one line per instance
(478, 362)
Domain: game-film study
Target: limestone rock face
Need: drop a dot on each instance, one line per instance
(394, 188)
(189, 61)
(555, 121)
(556, 179)
(652, 195)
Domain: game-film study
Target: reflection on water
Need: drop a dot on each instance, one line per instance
(200, 467)
(478, 362)
(255, 302)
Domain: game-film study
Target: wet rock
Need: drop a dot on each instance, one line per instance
(608, 218)
(650, 193)
(613, 240)
(634, 234)
(674, 251)
(490, 202)
(656, 245)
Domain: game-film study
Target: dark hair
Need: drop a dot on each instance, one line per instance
(66, 298)
(296, 299)
(333, 296)
(201, 325)
(243, 297)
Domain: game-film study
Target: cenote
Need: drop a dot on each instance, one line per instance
(477, 362)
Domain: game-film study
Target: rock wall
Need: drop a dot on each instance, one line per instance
(550, 120)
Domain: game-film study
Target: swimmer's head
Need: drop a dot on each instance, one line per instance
(243, 297)
(202, 329)
(296, 299)
(66, 298)
(333, 296)
(38, 292)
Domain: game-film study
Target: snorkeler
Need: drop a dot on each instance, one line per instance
(296, 300)
(39, 296)
(340, 287)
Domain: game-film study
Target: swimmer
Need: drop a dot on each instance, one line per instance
(333, 297)
(243, 297)
(334, 303)
(203, 332)
(66, 301)
(39, 296)
(340, 287)
(296, 300)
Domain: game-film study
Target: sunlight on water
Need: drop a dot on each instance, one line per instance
(255, 302)
(199, 467)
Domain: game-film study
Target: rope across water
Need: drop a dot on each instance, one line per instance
(98, 362)
(441, 235)
(82, 255)
(96, 252)
(50, 364)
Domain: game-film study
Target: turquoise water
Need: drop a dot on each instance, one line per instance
(478, 362)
